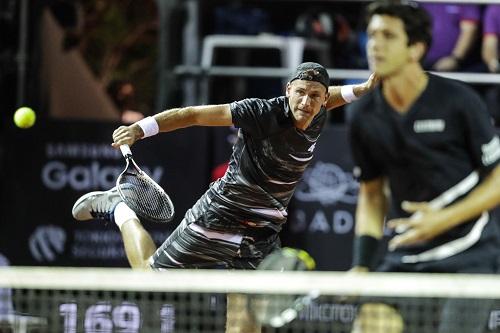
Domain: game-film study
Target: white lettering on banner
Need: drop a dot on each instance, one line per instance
(97, 236)
(97, 245)
(98, 319)
(70, 316)
(298, 223)
(125, 317)
(343, 313)
(107, 236)
(167, 317)
(104, 244)
(342, 222)
(494, 321)
(56, 175)
(81, 150)
(102, 317)
(319, 223)
(328, 184)
(110, 252)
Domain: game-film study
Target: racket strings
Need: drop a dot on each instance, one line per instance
(145, 198)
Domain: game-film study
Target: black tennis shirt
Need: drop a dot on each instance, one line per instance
(268, 161)
(440, 150)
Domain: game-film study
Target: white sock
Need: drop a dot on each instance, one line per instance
(123, 214)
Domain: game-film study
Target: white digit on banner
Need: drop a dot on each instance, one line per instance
(69, 312)
(167, 315)
(494, 321)
(98, 319)
(127, 318)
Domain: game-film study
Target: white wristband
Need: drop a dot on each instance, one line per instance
(149, 126)
(347, 93)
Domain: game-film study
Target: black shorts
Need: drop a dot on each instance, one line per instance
(444, 315)
(481, 258)
(193, 245)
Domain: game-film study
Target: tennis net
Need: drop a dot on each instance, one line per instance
(38, 299)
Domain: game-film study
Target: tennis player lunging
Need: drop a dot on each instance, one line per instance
(236, 222)
(431, 141)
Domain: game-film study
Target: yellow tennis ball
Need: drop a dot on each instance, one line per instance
(24, 117)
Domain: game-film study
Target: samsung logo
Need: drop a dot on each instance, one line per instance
(429, 125)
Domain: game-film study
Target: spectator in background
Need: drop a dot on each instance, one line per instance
(455, 31)
(491, 31)
(122, 93)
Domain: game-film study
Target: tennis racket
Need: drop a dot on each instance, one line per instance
(141, 193)
(278, 310)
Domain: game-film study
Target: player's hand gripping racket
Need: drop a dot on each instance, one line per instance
(145, 197)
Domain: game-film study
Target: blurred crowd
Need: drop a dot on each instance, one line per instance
(465, 36)
(465, 40)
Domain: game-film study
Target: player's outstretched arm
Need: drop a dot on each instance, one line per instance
(170, 120)
(340, 95)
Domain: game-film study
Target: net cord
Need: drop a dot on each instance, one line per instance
(254, 282)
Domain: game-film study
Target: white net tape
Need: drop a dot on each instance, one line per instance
(122, 300)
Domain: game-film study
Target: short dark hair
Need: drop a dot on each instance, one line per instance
(416, 20)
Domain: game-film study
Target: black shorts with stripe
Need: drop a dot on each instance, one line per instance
(453, 315)
(192, 245)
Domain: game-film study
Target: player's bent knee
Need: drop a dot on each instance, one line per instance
(378, 318)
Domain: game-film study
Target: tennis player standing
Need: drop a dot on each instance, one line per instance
(236, 222)
(431, 141)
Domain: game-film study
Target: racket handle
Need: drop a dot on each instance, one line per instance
(125, 149)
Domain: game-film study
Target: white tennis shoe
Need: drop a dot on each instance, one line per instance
(97, 205)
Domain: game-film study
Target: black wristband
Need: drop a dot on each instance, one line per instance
(364, 251)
